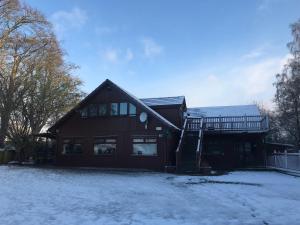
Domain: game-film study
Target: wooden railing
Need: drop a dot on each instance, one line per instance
(230, 124)
(194, 124)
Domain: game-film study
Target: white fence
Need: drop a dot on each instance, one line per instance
(284, 161)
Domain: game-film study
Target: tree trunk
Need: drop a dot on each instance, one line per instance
(297, 123)
(3, 128)
(8, 104)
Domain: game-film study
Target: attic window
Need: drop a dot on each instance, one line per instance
(123, 108)
(132, 109)
(102, 110)
(84, 113)
(114, 109)
(93, 110)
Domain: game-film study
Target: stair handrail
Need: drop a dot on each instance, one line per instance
(181, 135)
(199, 144)
(200, 135)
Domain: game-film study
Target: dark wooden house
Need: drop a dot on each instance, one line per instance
(112, 128)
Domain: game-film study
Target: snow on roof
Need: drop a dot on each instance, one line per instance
(235, 110)
(177, 100)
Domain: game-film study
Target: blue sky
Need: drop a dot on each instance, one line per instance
(213, 52)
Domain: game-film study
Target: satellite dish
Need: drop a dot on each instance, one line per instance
(143, 117)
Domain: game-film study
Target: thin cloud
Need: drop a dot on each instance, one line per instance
(265, 5)
(113, 55)
(151, 48)
(256, 53)
(65, 20)
(129, 55)
(240, 84)
(105, 30)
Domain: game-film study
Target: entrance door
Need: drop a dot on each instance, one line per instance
(244, 155)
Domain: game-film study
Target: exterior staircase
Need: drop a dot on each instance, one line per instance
(188, 152)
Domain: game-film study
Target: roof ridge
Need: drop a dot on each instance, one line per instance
(216, 106)
(164, 97)
(91, 94)
(163, 119)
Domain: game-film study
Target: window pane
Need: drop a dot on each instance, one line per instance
(100, 140)
(132, 109)
(67, 148)
(104, 149)
(84, 113)
(137, 140)
(112, 140)
(70, 148)
(145, 149)
(123, 108)
(114, 109)
(102, 110)
(93, 110)
(77, 148)
(150, 140)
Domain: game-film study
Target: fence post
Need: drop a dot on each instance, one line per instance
(299, 160)
(286, 159)
(275, 158)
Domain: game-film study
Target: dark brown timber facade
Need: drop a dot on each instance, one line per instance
(112, 128)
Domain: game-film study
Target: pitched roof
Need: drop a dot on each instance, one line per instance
(177, 100)
(234, 110)
(160, 117)
(107, 81)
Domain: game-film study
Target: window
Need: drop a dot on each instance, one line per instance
(69, 147)
(77, 148)
(84, 113)
(215, 147)
(247, 147)
(132, 109)
(114, 109)
(102, 110)
(93, 110)
(105, 146)
(123, 108)
(144, 146)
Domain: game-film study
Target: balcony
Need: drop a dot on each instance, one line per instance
(229, 124)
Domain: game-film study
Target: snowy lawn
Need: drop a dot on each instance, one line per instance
(65, 197)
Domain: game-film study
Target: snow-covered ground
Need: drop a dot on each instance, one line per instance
(65, 197)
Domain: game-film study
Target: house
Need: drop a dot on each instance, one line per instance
(112, 128)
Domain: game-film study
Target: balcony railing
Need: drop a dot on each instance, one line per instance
(229, 124)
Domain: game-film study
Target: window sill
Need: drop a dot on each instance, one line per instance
(108, 116)
(103, 155)
(72, 154)
(143, 155)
